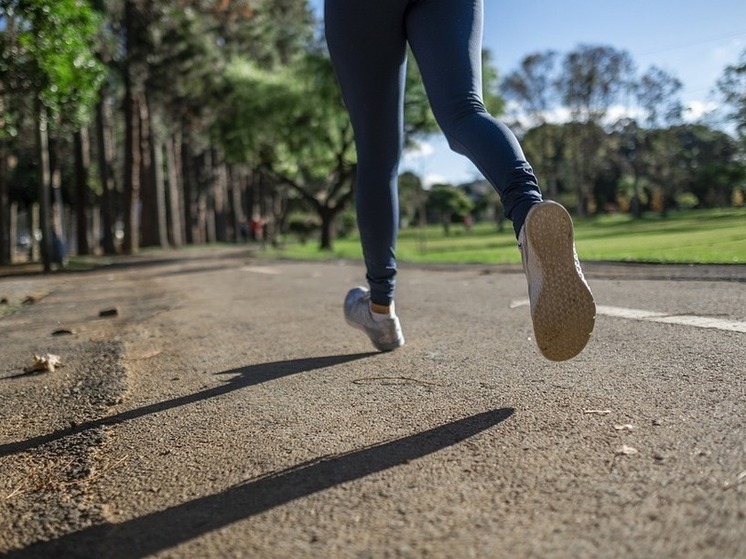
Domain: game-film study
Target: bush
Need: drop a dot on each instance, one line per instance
(687, 201)
(737, 198)
(346, 224)
(303, 226)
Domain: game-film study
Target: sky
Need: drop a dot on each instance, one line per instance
(694, 40)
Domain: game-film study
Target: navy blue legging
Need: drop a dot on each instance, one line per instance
(367, 41)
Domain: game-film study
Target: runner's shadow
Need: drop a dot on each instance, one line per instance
(244, 377)
(162, 530)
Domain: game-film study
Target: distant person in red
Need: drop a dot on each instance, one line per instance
(257, 229)
(368, 41)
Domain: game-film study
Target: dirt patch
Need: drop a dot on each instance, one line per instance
(48, 486)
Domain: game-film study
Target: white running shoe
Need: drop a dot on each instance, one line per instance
(562, 306)
(384, 332)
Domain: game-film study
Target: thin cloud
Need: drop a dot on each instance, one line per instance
(695, 110)
(433, 178)
(729, 52)
(420, 151)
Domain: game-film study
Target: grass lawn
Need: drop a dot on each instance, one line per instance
(697, 236)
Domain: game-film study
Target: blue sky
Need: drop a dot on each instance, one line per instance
(692, 39)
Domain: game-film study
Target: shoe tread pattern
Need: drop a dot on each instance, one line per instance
(564, 311)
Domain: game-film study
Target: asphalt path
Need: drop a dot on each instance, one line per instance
(227, 410)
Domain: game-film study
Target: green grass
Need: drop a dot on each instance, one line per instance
(692, 237)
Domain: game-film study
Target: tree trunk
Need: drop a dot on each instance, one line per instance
(582, 209)
(328, 216)
(202, 233)
(160, 190)
(446, 222)
(148, 196)
(252, 203)
(132, 150)
(42, 144)
(279, 215)
(6, 250)
(174, 192)
(189, 196)
(220, 196)
(95, 227)
(553, 187)
(106, 174)
(132, 163)
(59, 240)
(35, 226)
(207, 193)
(82, 210)
(636, 202)
(13, 229)
(235, 175)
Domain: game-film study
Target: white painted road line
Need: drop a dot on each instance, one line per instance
(683, 319)
(261, 270)
(653, 316)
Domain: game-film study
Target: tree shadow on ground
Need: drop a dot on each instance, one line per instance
(162, 530)
(243, 377)
(83, 265)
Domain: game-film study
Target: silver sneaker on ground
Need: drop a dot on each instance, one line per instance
(562, 306)
(385, 333)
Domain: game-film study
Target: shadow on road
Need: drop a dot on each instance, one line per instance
(244, 376)
(144, 260)
(161, 530)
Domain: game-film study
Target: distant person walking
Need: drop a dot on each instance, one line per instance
(367, 41)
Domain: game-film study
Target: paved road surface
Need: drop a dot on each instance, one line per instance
(228, 411)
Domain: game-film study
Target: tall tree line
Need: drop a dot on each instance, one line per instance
(122, 98)
(610, 137)
(135, 123)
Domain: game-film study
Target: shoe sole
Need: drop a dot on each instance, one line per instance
(564, 312)
(380, 347)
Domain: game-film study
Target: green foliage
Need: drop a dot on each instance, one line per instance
(593, 78)
(303, 226)
(449, 203)
(737, 198)
(532, 85)
(291, 126)
(48, 51)
(183, 60)
(288, 120)
(449, 200)
(250, 124)
(412, 197)
(657, 93)
(687, 201)
(732, 85)
(347, 224)
(493, 100)
(188, 54)
(418, 117)
(272, 33)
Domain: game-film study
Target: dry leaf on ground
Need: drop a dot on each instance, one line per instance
(44, 364)
(625, 450)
